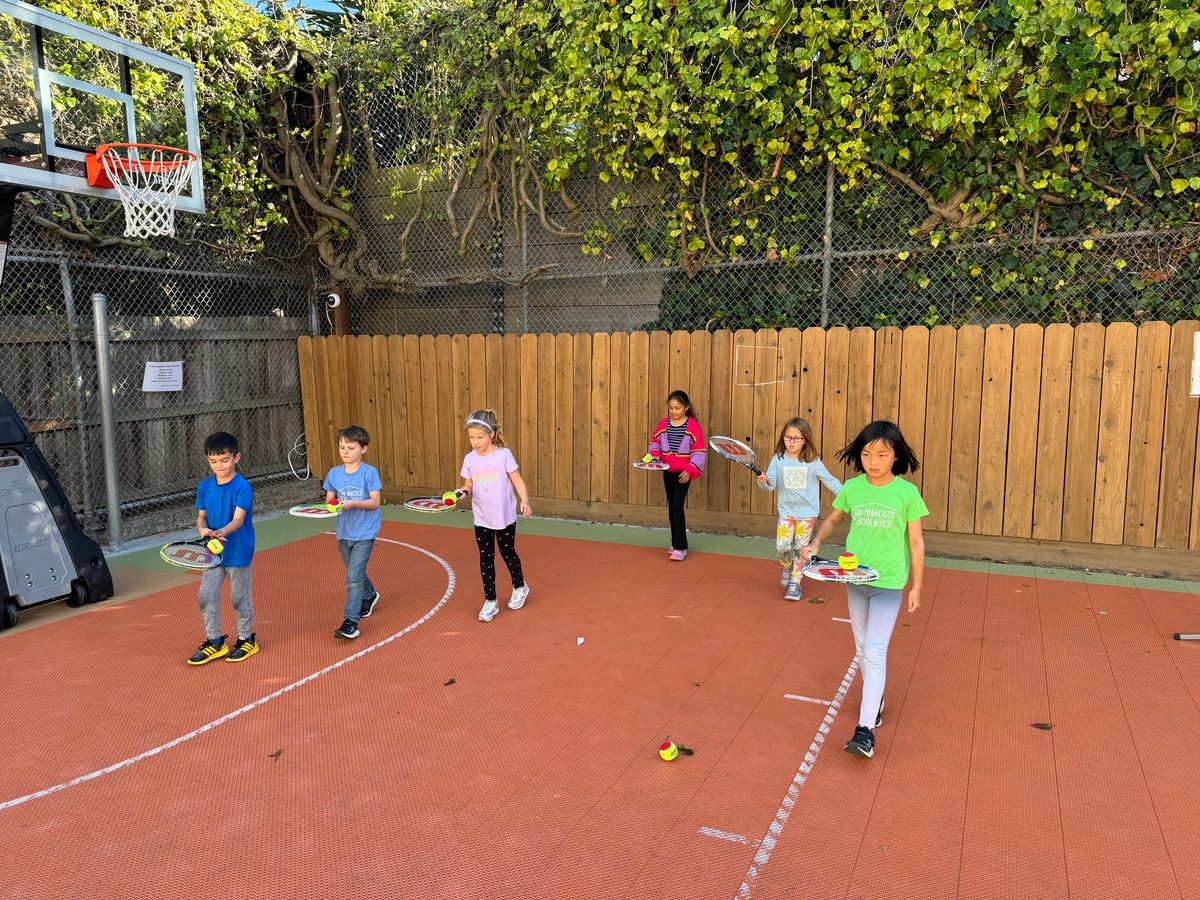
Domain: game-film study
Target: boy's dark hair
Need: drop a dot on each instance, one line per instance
(354, 433)
(220, 442)
(889, 433)
(683, 398)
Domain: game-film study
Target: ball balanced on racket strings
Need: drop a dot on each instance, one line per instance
(848, 561)
(668, 751)
(449, 498)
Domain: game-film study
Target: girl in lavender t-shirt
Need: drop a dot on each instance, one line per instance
(490, 474)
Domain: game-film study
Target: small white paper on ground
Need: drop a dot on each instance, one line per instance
(578, 641)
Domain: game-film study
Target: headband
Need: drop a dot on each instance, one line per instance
(481, 424)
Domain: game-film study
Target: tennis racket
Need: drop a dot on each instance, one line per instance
(315, 510)
(190, 555)
(653, 465)
(734, 451)
(830, 570)
(435, 504)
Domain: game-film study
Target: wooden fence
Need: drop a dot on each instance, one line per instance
(1079, 434)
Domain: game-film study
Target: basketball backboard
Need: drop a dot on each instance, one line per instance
(66, 88)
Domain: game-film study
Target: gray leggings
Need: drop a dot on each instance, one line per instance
(239, 595)
(873, 614)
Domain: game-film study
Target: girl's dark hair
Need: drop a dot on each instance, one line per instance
(881, 430)
(354, 434)
(220, 442)
(683, 398)
(809, 452)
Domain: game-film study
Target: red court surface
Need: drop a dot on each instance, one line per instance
(535, 774)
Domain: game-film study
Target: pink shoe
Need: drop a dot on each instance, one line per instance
(678, 555)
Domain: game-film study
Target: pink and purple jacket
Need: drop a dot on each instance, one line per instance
(692, 452)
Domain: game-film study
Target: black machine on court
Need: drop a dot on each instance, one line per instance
(44, 554)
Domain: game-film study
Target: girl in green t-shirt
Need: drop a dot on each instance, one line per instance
(885, 533)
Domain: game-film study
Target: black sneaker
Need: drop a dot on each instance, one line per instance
(879, 715)
(368, 605)
(243, 649)
(209, 651)
(348, 631)
(863, 742)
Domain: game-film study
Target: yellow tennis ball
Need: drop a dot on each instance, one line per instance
(335, 506)
(449, 498)
(848, 561)
(668, 751)
(649, 457)
(215, 546)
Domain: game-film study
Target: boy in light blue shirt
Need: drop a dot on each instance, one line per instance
(356, 486)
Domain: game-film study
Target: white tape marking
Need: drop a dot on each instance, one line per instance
(45, 792)
(727, 836)
(767, 844)
(806, 699)
(847, 621)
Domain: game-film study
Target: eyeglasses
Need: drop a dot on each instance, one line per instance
(792, 440)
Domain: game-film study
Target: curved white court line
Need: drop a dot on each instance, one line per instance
(45, 792)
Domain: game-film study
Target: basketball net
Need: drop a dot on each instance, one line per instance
(148, 179)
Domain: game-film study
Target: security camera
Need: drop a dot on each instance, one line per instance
(333, 300)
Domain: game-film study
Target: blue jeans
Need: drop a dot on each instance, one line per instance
(355, 555)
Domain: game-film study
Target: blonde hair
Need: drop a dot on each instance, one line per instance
(809, 451)
(486, 418)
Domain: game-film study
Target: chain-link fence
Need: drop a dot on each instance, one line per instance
(594, 258)
(232, 326)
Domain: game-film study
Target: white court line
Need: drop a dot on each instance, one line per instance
(847, 621)
(45, 792)
(726, 836)
(767, 844)
(806, 699)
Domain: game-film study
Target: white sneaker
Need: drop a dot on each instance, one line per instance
(490, 608)
(785, 578)
(518, 596)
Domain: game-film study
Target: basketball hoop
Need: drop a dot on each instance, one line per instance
(148, 178)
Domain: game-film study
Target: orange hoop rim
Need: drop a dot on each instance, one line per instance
(186, 157)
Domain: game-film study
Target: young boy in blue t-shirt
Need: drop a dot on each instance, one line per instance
(225, 511)
(357, 486)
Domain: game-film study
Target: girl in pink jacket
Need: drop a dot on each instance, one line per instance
(679, 442)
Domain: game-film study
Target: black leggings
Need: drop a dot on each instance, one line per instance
(676, 498)
(487, 538)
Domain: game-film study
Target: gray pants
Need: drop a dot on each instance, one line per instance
(239, 595)
(873, 614)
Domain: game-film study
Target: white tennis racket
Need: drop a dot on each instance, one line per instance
(831, 570)
(435, 504)
(653, 465)
(316, 510)
(190, 555)
(734, 451)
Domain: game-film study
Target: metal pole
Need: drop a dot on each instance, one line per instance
(108, 426)
(85, 469)
(827, 246)
(524, 269)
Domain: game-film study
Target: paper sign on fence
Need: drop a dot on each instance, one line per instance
(163, 376)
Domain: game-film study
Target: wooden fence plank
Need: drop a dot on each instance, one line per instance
(452, 437)
(598, 419)
(466, 397)
(833, 434)
(564, 415)
(993, 429)
(679, 366)
(658, 385)
(860, 384)
(547, 425)
(1146, 433)
(401, 450)
(637, 422)
(742, 414)
(1175, 498)
(1021, 460)
(581, 468)
(494, 354)
(1058, 349)
(1112, 460)
(433, 450)
(477, 376)
(888, 347)
(418, 454)
(699, 379)
(382, 438)
(914, 381)
(308, 394)
(621, 452)
(811, 397)
(964, 451)
(766, 377)
(511, 406)
(1083, 429)
(939, 424)
(527, 415)
(720, 384)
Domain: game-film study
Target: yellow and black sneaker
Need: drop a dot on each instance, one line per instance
(243, 649)
(209, 651)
